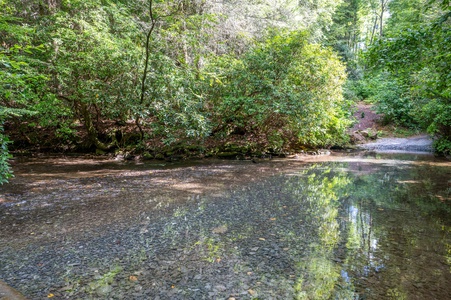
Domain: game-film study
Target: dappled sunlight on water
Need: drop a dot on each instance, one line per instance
(354, 226)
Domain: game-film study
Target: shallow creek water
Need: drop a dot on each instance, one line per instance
(344, 226)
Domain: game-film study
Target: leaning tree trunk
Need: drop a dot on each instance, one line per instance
(153, 22)
(373, 32)
(381, 17)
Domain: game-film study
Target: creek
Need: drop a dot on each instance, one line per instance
(360, 225)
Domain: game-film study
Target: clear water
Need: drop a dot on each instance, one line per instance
(361, 226)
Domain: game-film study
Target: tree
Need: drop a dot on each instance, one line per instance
(156, 71)
(345, 34)
(20, 84)
(416, 52)
(94, 63)
(383, 9)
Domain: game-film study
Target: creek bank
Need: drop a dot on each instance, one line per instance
(128, 145)
(240, 150)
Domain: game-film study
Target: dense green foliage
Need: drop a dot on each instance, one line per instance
(398, 57)
(411, 67)
(4, 156)
(287, 89)
(117, 75)
(112, 74)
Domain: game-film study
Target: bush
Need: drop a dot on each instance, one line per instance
(286, 89)
(5, 170)
(437, 115)
(391, 98)
(443, 146)
(393, 104)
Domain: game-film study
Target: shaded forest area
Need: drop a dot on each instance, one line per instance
(179, 78)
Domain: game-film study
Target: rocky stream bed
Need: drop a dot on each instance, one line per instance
(225, 229)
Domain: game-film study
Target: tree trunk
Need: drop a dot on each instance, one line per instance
(381, 17)
(373, 32)
(153, 22)
(93, 138)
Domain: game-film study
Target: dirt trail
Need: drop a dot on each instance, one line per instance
(367, 118)
(366, 129)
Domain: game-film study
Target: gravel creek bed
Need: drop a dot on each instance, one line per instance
(201, 230)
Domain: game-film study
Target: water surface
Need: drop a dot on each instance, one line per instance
(356, 226)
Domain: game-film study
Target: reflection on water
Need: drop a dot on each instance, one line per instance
(374, 227)
(396, 226)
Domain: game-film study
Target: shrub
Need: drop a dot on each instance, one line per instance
(285, 88)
